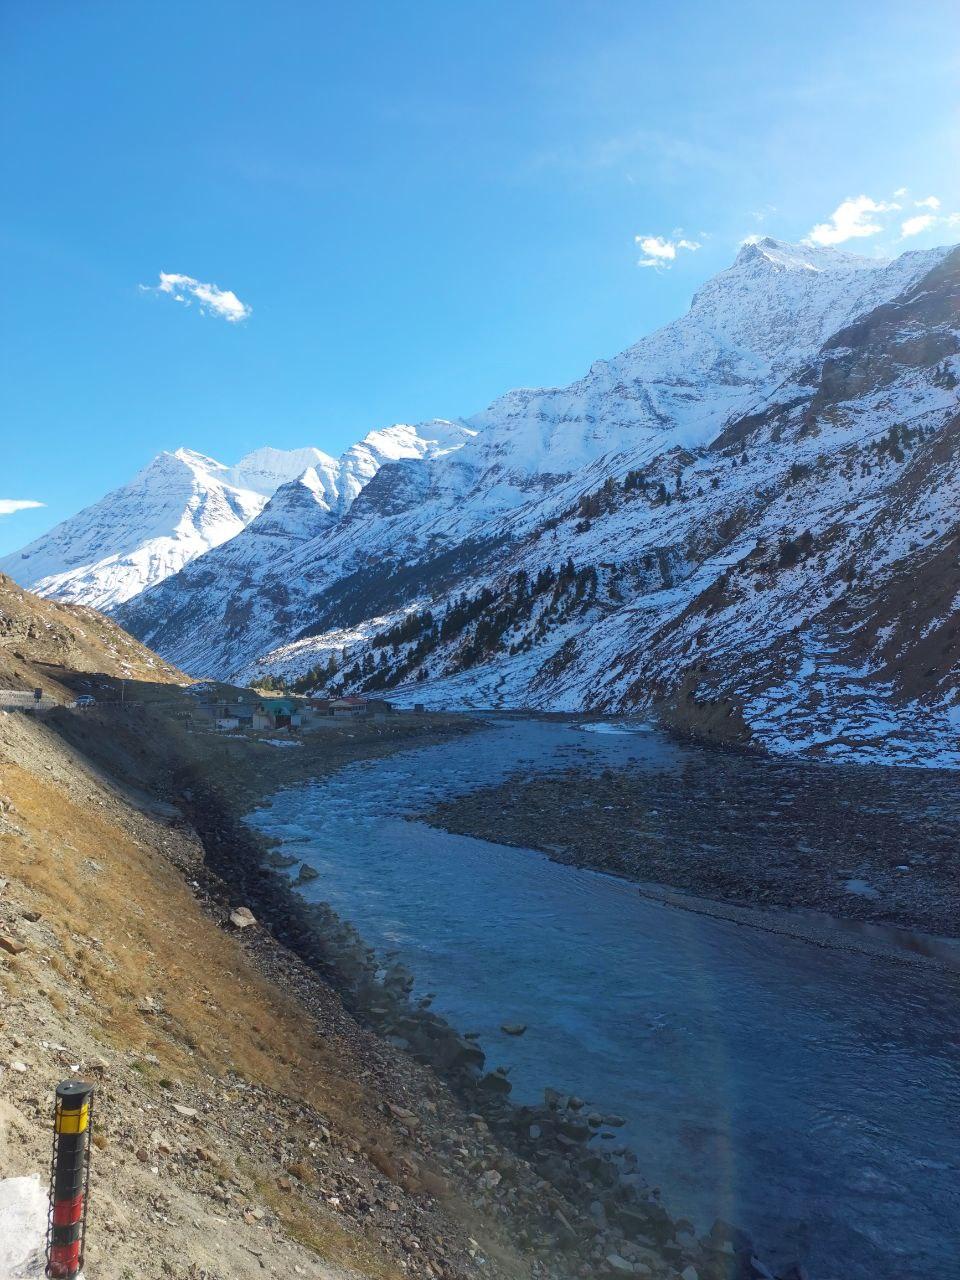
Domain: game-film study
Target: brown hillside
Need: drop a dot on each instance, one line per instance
(42, 642)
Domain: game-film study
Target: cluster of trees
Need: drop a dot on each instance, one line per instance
(274, 684)
(319, 676)
(403, 632)
(600, 502)
(895, 443)
(481, 623)
(793, 550)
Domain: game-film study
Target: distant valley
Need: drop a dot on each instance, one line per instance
(745, 523)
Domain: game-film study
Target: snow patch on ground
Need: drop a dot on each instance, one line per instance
(23, 1228)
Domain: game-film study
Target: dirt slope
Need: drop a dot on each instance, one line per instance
(245, 1124)
(49, 644)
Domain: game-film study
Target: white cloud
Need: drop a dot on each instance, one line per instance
(851, 220)
(9, 505)
(900, 191)
(920, 222)
(661, 253)
(913, 226)
(763, 213)
(212, 299)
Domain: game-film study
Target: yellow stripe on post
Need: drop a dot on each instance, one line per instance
(73, 1121)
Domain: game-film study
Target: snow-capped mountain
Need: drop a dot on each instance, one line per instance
(794, 583)
(177, 507)
(302, 517)
(746, 329)
(745, 520)
(184, 504)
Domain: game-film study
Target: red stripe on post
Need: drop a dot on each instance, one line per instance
(64, 1259)
(67, 1212)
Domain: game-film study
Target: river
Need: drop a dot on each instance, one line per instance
(809, 1095)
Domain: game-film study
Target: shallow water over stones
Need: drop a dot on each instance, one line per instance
(808, 1094)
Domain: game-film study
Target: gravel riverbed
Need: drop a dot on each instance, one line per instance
(874, 845)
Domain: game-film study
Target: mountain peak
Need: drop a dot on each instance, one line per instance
(266, 469)
(803, 257)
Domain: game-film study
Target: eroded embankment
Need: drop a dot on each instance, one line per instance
(245, 1123)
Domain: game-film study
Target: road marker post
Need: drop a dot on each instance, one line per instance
(69, 1179)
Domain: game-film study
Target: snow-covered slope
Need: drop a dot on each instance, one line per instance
(177, 507)
(745, 330)
(747, 519)
(183, 504)
(240, 588)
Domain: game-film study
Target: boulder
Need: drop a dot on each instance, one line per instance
(724, 1233)
(618, 1265)
(494, 1082)
(242, 918)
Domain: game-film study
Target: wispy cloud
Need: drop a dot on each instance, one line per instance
(852, 219)
(212, 299)
(763, 213)
(660, 252)
(8, 506)
(915, 225)
(920, 222)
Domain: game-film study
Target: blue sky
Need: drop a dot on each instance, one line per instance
(421, 205)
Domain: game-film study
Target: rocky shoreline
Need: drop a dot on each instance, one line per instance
(876, 845)
(576, 1207)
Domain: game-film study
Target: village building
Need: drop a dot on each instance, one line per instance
(277, 713)
(352, 705)
(345, 708)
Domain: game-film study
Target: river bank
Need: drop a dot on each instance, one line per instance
(793, 1089)
(574, 1200)
(649, 1020)
(875, 845)
(388, 1140)
(246, 1123)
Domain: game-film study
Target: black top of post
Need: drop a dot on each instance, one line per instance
(72, 1094)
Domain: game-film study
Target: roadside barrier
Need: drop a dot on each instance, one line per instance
(69, 1179)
